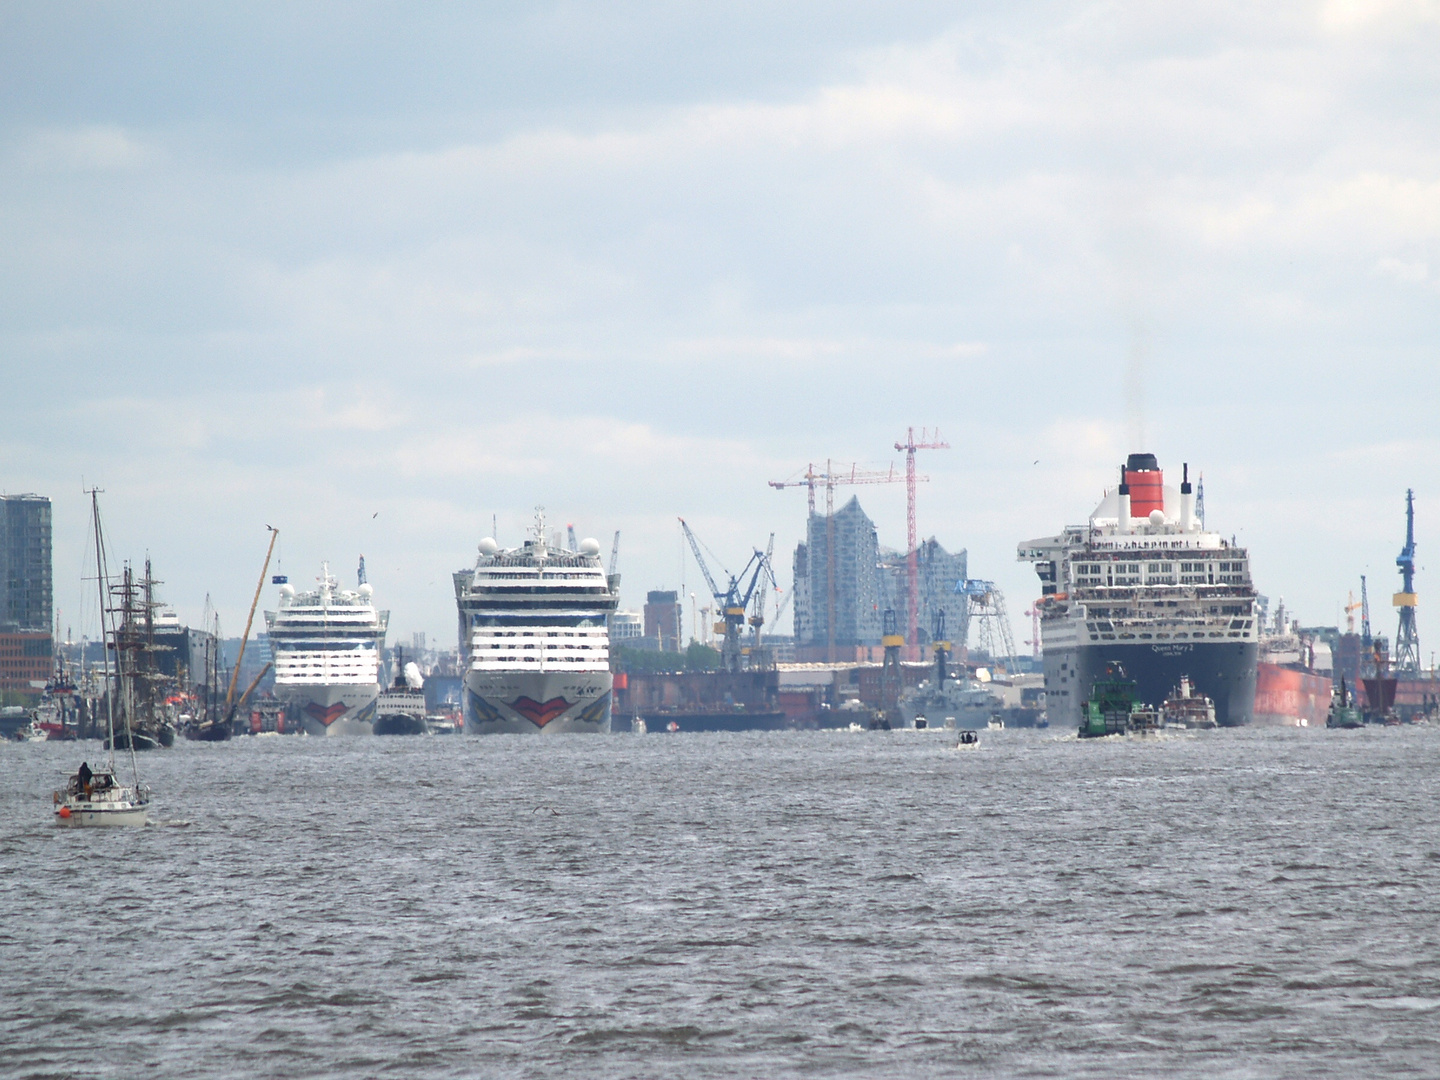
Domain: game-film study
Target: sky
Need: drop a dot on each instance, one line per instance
(381, 275)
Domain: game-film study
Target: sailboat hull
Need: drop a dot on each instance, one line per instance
(85, 817)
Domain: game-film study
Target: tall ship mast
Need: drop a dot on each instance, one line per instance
(1143, 583)
(534, 637)
(326, 645)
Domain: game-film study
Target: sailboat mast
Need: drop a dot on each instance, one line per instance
(104, 629)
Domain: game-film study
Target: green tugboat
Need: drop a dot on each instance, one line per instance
(1344, 713)
(1112, 708)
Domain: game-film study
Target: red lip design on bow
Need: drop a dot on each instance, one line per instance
(329, 715)
(539, 713)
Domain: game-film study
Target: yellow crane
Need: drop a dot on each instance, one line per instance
(1350, 608)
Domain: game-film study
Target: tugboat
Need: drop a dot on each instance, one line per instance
(400, 708)
(1112, 708)
(1344, 712)
(1185, 708)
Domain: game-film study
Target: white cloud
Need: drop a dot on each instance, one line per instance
(85, 149)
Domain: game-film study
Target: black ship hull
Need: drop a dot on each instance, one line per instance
(399, 724)
(1222, 671)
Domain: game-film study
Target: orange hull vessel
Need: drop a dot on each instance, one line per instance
(1285, 697)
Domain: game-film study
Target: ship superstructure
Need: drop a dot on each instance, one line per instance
(326, 644)
(534, 637)
(1142, 583)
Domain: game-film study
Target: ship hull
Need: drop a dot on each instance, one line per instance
(1285, 697)
(535, 703)
(332, 710)
(1222, 671)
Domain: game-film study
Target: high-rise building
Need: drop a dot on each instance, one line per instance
(857, 611)
(662, 619)
(938, 572)
(26, 589)
(26, 593)
(868, 580)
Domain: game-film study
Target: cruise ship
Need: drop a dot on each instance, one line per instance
(534, 638)
(1144, 583)
(326, 645)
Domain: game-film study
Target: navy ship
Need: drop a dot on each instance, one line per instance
(1144, 584)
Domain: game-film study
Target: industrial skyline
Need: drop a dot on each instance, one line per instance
(378, 287)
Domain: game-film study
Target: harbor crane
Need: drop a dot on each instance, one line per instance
(732, 601)
(1367, 643)
(1407, 638)
(830, 478)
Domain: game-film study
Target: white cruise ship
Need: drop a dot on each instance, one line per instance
(534, 638)
(327, 646)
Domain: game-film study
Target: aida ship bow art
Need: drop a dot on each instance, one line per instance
(1144, 584)
(535, 638)
(327, 645)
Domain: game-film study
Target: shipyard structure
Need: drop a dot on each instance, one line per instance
(1143, 584)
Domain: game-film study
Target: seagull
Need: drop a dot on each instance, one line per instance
(374, 515)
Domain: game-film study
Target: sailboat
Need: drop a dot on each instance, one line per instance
(97, 797)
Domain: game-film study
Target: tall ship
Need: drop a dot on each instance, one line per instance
(1145, 584)
(326, 644)
(534, 637)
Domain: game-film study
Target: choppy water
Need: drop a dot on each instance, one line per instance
(1251, 903)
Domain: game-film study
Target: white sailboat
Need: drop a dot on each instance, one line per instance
(97, 797)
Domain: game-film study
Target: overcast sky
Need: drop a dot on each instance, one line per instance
(373, 273)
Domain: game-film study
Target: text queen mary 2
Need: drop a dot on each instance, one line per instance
(534, 636)
(1143, 583)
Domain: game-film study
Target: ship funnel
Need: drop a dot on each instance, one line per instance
(1187, 501)
(1123, 522)
(1146, 484)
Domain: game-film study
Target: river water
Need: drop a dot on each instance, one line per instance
(1225, 904)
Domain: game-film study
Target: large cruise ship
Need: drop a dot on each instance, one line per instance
(534, 638)
(326, 645)
(1142, 582)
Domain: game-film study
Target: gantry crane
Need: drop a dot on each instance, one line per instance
(929, 440)
(986, 603)
(833, 476)
(734, 598)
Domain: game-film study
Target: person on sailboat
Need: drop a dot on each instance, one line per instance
(84, 776)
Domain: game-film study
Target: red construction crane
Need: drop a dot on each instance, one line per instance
(929, 440)
(1034, 641)
(831, 477)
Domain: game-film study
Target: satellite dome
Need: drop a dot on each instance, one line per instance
(590, 546)
(488, 546)
(367, 590)
(1157, 517)
(287, 591)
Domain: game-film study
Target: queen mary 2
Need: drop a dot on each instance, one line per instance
(1144, 584)
(534, 637)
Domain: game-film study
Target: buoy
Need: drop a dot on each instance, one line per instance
(65, 811)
